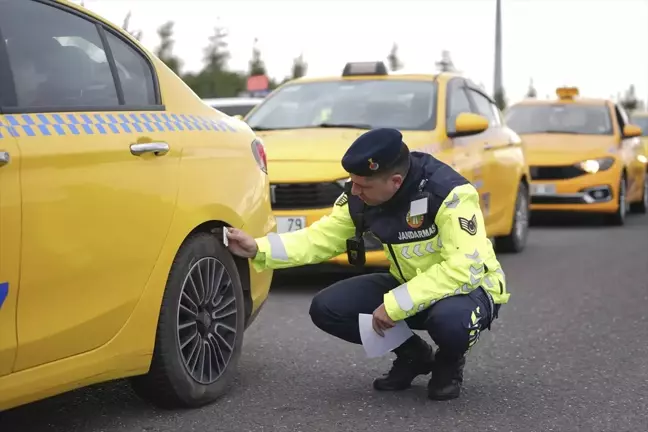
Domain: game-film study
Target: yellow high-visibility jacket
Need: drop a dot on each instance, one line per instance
(434, 255)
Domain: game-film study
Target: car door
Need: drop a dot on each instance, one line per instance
(9, 243)
(467, 151)
(500, 159)
(98, 176)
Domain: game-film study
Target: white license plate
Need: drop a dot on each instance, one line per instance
(290, 223)
(543, 189)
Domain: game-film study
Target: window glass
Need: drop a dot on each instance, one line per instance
(400, 104)
(560, 118)
(458, 103)
(134, 73)
(485, 107)
(57, 60)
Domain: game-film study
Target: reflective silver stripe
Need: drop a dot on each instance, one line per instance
(403, 298)
(488, 281)
(454, 202)
(277, 248)
(474, 256)
(429, 247)
(500, 271)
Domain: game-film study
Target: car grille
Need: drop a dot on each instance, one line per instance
(298, 196)
(555, 172)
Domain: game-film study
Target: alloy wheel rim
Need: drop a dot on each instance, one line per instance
(207, 320)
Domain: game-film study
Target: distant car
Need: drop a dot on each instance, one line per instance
(640, 118)
(239, 106)
(584, 155)
(112, 263)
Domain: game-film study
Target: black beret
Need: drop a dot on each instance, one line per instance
(373, 152)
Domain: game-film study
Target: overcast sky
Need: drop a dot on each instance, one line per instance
(599, 45)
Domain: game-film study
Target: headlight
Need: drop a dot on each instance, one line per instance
(593, 166)
(342, 182)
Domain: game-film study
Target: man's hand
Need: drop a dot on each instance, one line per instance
(381, 320)
(241, 243)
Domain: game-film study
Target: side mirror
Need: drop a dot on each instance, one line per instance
(631, 131)
(469, 124)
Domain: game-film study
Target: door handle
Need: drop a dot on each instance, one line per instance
(4, 158)
(157, 148)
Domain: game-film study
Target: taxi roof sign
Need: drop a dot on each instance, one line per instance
(364, 68)
(567, 92)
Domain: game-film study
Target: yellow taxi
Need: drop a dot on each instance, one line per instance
(307, 124)
(584, 153)
(115, 184)
(640, 118)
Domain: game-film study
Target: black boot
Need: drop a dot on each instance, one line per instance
(415, 357)
(447, 378)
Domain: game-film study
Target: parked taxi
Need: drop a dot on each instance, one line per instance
(307, 124)
(111, 206)
(640, 118)
(584, 153)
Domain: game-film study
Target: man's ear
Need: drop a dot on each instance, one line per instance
(397, 179)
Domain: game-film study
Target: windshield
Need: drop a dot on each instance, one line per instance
(642, 122)
(366, 104)
(560, 118)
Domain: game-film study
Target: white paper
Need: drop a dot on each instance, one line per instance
(419, 207)
(225, 240)
(376, 345)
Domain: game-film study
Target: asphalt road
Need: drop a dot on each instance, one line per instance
(567, 354)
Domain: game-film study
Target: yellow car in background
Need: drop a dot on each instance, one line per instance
(585, 155)
(307, 124)
(115, 184)
(640, 118)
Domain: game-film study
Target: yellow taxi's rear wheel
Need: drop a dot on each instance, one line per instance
(516, 240)
(200, 329)
(642, 206)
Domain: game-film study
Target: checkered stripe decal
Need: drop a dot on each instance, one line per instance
(64, 124)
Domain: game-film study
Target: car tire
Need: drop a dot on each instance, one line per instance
(618, 218)
(515, 241)
(196, 354)
(642, 206)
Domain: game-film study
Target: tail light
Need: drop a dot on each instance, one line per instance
(258, 150)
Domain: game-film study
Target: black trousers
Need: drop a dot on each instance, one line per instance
(454, 323)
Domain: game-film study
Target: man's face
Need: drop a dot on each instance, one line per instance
(375, 190)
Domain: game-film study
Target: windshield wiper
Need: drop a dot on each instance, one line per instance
(261, 128)
(550, 131)
(344, 125)
(321, 125)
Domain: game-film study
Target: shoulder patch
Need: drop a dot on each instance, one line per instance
(342, 199)
(469, 225)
